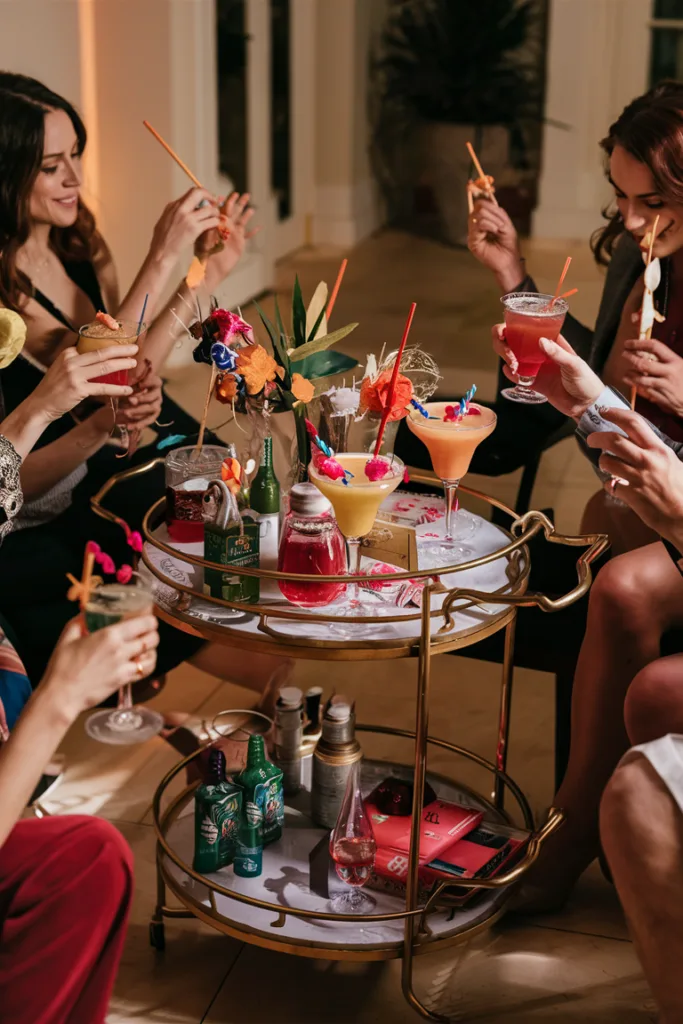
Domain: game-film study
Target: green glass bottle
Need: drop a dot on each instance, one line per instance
(217, 805)
(261, 783)
(264, 498)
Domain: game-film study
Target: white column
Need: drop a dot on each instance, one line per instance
(598, 58)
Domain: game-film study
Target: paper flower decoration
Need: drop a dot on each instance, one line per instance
(257, 368)
(226, 388)
(196, 273)
(302, 389)
(231, 474)
(450, 414)
(330, 468)
(125, 574)
(12, 336)
(226, 325)
(374, 394)
(223, 356)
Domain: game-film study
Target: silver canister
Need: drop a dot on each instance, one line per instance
(289, 734)
(336, 753)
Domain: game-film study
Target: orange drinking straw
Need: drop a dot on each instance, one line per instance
(565, 295)
(335, 290)
(561, 281)
(171, 152)
(480, 171)
(394, 378)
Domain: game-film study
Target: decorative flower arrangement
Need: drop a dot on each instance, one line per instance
(252, 380)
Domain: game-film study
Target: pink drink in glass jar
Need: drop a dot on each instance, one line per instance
(311, 543)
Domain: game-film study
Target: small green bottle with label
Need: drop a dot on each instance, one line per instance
(217, 815)
(263, 798)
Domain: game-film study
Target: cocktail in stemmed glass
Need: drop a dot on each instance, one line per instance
(451, 440)
(530, 316)
(106, 605)
(356, 504)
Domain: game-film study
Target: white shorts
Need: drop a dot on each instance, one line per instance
(666, 757)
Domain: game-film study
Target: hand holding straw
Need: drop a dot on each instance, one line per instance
(335, 290)
(394, 378)
(480, 172)
(645, 330)
(183, 166)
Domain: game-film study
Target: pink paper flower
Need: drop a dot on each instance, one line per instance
(92, 548)
(125, 574)
(376, 469)
(450, 414)
(330, 468)
(135, 540)
(406, 476)
(228, 324)
(473, 410)
(107, 563)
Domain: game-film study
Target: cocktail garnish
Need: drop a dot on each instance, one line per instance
(406, 476)
(450, 414)
(108, 321)
(376, 469)
(231, 474)
(331, 468)
(420, 408)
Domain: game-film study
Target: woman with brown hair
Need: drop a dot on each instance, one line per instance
(644, 152)
(56, 270)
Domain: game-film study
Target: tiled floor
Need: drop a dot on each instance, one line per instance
(578, 966)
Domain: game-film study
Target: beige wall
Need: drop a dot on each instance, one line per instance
(598, 55)
(41, 39)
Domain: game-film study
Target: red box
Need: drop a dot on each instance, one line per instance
(442, 824)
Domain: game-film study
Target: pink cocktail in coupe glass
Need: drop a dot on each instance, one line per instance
(530, 316)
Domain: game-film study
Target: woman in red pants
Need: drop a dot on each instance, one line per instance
(65, 883)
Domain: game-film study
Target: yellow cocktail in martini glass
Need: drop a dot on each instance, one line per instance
(356, 504)
(451, 444)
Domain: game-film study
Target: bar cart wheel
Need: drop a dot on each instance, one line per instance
(157, 936)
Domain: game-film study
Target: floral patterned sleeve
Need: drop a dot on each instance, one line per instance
(11, 497)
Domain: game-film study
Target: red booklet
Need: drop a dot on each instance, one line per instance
(442, 825)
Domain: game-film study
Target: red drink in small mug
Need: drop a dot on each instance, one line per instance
(98, 335)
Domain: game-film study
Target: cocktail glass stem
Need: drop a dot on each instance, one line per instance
(125, 717)
(353, 544)
(451, 491)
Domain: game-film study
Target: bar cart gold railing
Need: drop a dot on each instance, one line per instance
(433, 626)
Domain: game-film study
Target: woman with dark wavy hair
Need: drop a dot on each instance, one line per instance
(644, 163)
(57, 272)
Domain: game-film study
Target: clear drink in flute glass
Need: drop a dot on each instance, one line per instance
(353, 849)
(188, 473)
(451, 445)
(530, 316)
(106, 605)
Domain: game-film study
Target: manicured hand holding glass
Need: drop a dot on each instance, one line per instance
(649, 476)
(656, 373)
(565, 379)
(86, 669)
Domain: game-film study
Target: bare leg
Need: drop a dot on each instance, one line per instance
(654, 702)
(636, 598)
(642, 835)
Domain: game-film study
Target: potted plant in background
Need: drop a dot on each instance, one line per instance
(443, 72)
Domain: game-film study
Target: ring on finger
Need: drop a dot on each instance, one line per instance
(613, 484)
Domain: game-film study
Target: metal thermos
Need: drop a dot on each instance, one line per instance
(289, 734)
(336, 753)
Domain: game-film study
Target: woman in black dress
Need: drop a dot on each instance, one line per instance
(57, 272)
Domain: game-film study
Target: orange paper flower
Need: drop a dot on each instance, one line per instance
(257, 368)
(226, 388)
(374, 395)
(302, 389)
(196, 273)
(231, 473)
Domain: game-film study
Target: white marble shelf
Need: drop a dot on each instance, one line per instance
(285, 883)
(501, 575)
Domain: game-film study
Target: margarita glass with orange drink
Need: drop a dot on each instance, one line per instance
(451, 438)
